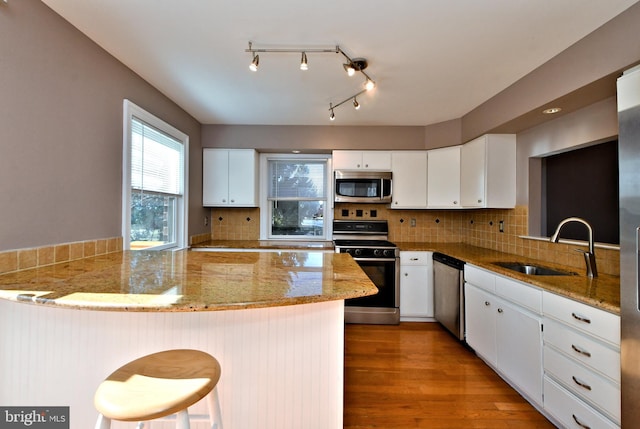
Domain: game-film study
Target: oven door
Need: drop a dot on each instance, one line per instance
(382, 308)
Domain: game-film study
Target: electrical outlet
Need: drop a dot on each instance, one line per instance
(206, 221)
(501, 226)
(413, 222)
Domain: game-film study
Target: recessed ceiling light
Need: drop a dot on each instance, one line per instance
(552, 110)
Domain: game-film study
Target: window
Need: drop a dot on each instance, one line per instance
(295, 193)
(154, 182)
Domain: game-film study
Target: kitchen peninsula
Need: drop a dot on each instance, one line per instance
(274, 320)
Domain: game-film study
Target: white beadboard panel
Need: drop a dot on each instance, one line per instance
(282, 367)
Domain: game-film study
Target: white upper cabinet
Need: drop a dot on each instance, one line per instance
(443, 178)
(362, 160)
(229, 178)
(409, 168)
(488, 172)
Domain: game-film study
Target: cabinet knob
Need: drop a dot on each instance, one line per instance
(224, 200)
(487, 303)
(358, 165)
(479, 200)
(233, 201)
(366, 166)
(500, 310)
(406, 274)
(455, 202)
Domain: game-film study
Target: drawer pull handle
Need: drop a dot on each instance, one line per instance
(579, 350)
(581, 318)
(487, 303)
(581, 384)
(582, 425)
(414, 259)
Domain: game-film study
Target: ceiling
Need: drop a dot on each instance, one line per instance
(432, 60)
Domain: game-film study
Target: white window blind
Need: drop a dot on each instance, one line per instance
(297, 179)
(156, 160)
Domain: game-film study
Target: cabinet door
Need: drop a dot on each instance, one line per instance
(376, 160)
(409, 170)
(473, 172)
(519, 348)
(215, 177)
(243, 171)
(480, 316)
(347, 159)
(443, 178)
(416, 284)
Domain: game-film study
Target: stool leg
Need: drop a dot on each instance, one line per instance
(182, 420)
(103, 422)
(215, 414)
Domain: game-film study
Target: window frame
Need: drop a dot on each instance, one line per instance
(265, 204)
(131, 110)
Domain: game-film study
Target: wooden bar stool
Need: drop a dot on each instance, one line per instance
(158, 385)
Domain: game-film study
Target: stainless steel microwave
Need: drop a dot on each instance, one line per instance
(362, 186)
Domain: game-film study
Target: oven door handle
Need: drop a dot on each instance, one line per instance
(376, 259)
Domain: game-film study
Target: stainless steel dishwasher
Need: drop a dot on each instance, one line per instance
(448, 291)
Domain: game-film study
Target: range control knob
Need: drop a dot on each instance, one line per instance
(357, 252)
(378, 252)
(389, 253)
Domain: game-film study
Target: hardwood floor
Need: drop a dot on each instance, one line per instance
(416, 375)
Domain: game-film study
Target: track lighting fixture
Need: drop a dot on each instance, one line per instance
(254, 64)
(352, 66)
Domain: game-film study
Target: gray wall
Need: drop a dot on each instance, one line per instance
(61, 131)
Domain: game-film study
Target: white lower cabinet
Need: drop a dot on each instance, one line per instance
(416, 286)
(562, 355)
(504, 334)
(581, 364)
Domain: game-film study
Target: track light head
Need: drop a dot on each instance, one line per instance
(356, 105)
(332, 115)
(303, 62)
(348, 67)
(369, 85)
(254, 64)
(355, 65)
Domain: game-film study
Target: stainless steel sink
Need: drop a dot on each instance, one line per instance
(533, 270)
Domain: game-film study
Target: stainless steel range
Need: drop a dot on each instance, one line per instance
(366, 242)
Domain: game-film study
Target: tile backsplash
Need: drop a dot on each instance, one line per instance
(22, 259)
(478, 227)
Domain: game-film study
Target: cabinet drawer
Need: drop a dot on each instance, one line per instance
(524, 295)
(584, 317)
(594, 389)
(571, 411)
(583, 348)
(416, 258)
(481, 278)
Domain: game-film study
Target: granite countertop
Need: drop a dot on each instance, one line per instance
(602, 292)
(190, 281)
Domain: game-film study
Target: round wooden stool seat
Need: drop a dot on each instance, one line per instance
(157, 385)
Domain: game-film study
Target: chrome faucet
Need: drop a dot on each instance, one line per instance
(589, 257)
